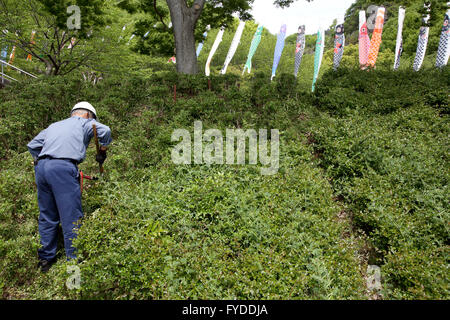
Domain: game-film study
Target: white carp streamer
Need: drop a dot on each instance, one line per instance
(444, 43)
(12, 55)
(213, 50)
(422, 43)
(72, 43)
(399, 44)
(278, 49)
(233, 47)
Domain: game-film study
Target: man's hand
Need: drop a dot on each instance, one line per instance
(101, 156)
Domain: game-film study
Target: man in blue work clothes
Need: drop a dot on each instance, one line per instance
(57, 151)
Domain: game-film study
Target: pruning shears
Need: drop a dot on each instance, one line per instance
(97, 146)
(84, 176)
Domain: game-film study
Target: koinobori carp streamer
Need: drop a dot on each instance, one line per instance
(12, 55)
(281, 36)
(33, 34)
(364, 40)
(339, 43)
(4, 53)
(375, 43)
(72, 42)
(421, 48)
(200, 45)
(218, 40)
(399, 44)
(299, 48)
(444, 43)
(423, 41)
(320, 45)
(255, 43)
(234, 45)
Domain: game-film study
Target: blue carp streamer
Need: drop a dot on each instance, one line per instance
(278, 49)
(4, 53)
(200, 45)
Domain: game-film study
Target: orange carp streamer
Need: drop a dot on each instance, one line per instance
(29, 57)
(376, 37)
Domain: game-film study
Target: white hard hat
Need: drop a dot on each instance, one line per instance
(87, 106)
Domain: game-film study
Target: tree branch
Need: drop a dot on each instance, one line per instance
(78, 64)
(28, 48)
(196, 9)
(159, 14)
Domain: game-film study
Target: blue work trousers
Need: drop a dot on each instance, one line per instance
(59, 199)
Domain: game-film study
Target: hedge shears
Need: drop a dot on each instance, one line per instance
(97, 146)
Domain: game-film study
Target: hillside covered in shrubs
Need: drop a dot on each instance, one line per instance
(363, 180)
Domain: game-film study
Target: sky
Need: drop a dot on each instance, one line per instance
(315, 14)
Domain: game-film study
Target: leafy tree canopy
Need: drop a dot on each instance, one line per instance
(153, 27)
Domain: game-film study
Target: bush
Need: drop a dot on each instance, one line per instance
(368, 143)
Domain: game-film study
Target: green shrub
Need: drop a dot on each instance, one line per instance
(373, 143)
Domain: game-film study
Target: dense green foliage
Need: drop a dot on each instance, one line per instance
(47, 33)
(385, 147)
(156, 230)
(363, 179)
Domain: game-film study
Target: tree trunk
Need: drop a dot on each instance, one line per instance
(184, 20)
(48, 68)
(185, 47)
